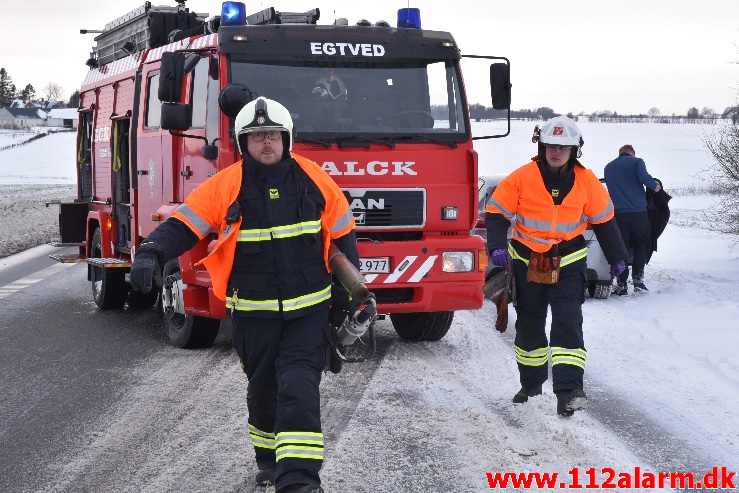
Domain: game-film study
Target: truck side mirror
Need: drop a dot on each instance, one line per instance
(175, 116)
(172, 72)
(233, 97)
(500, 85)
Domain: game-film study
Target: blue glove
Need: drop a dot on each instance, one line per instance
(618, 268)
(500, 257)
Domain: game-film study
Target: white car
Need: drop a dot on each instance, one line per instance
(600, 281)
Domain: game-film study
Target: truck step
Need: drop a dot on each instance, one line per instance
(71, 258)
(59, 244)
(109, 263)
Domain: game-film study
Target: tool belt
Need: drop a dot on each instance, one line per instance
(543, 268)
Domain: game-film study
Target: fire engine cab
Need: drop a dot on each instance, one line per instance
(382, 109)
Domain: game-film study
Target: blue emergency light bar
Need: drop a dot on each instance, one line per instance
(409, 18)
(233, 14)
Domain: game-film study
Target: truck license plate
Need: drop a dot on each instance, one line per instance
(375, 265)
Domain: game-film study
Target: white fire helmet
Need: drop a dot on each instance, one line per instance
(262, 115)
(332, 86)
(561, 131)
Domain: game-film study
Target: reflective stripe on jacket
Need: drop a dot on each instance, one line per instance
(539, 223)
(204, 215)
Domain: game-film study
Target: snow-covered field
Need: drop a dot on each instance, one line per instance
(31, 176)
(662, 372)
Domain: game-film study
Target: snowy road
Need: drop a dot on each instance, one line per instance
(106, 405)
(420, 417)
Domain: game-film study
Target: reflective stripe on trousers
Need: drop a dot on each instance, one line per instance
(299, 445)
(261, 439)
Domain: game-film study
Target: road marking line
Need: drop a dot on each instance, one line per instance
(16, 286)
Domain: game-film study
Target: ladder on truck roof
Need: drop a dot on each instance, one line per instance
(145, 27)
(271, 16)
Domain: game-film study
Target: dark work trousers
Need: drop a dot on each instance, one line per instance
(634, 227)
(283, 361)
(568, 351)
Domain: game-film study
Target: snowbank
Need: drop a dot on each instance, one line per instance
(25, 219)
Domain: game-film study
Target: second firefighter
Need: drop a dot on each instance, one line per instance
(552, 198)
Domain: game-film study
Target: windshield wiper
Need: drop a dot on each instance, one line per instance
(324, 143)
(425, 138)
(358, 140)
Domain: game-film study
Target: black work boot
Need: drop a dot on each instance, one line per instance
(301, 488)
(621, 289)
(524, 394)
(639, 284)
(265, 477)
(569, 401)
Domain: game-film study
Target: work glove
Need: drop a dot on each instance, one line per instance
(500, 257)
(144, 269)
(618, 268)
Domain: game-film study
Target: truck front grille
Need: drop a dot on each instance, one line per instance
(387, 207)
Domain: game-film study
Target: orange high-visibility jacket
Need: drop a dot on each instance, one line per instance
(204, 215)
(539, 223)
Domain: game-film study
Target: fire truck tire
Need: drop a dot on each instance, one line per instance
(425, 326)
(184, 330)
(109, 286)
(142, 301)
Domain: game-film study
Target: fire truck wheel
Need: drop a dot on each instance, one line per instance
(142, 301)
(109, 287)
(428, 326)
(184, 330)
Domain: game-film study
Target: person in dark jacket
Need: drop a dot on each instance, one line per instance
(658, 210)
(274, 213)
(626, 176)
(553, 198)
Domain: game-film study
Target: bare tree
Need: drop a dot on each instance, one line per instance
(53, 92)
(724, 146)
(654, 111)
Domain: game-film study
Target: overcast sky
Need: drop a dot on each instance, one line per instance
(581, 55)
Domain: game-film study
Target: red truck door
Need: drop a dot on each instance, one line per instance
(149, 153)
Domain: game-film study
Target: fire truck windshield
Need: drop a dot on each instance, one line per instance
(395, 97)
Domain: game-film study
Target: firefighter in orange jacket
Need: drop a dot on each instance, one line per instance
(275, 215)
(552, 198)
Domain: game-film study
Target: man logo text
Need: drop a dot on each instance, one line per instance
(371, 204)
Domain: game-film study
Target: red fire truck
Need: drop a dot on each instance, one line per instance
(382, 109)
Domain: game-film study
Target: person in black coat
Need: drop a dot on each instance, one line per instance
(658, 211)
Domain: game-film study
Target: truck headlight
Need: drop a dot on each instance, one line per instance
(458, 261)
